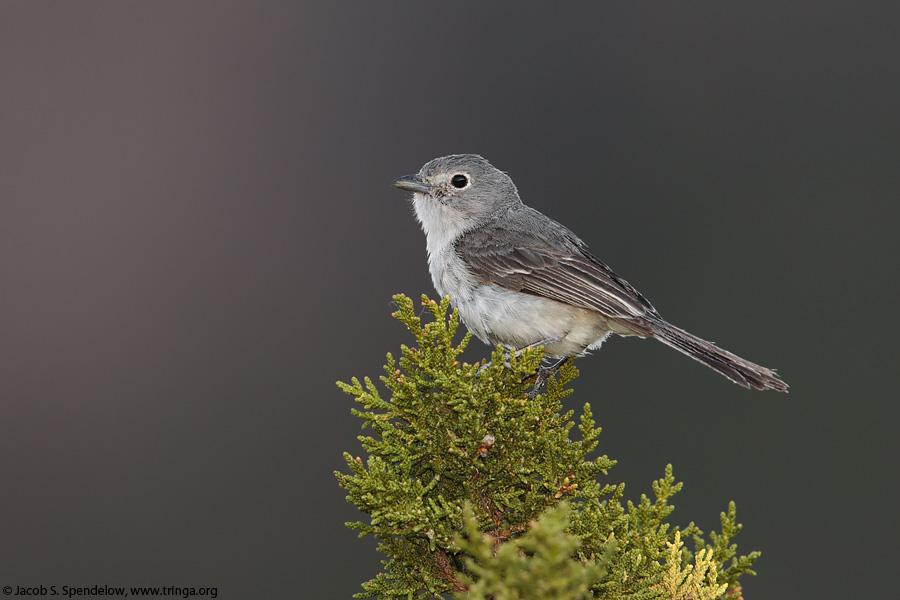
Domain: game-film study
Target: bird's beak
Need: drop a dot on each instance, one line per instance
(411, 183)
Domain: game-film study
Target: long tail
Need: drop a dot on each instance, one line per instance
(742, 372)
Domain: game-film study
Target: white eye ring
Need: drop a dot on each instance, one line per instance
(459, 181)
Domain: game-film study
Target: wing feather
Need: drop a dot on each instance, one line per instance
(547, 260)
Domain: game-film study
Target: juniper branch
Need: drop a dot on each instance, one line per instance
(472, 487)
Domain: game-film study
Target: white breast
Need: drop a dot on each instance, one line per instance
(442, 225)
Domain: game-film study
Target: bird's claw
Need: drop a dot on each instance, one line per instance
(544, 374)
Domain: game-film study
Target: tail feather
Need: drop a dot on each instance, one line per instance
(742, 372)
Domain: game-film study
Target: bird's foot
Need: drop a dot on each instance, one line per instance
(488, 364)
(543, 343)
(545, 373)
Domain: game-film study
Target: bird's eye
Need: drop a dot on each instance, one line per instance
(459, 181)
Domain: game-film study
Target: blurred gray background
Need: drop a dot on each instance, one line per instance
(198, 236)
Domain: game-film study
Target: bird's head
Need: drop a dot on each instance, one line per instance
(455, 193)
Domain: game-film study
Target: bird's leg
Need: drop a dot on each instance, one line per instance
(545, 373)
(518, 352)
(544, 343)
(489, 363)
(506, 362)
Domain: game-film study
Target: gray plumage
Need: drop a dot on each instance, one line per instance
(520, 278)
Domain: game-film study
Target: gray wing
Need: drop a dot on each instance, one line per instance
(543, 258)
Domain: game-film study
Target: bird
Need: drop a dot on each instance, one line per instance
(520, 279)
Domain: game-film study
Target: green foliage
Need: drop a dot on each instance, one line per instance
(538, 565)
(472, 488)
